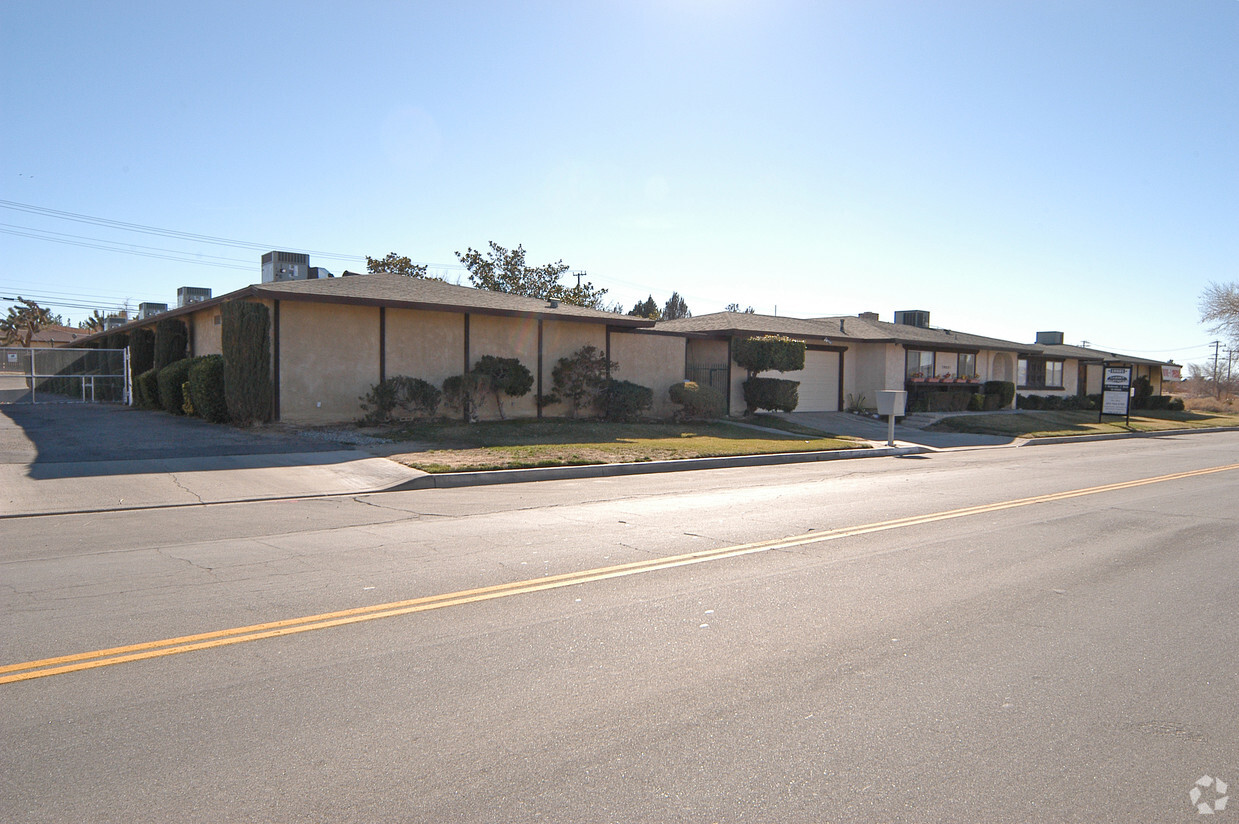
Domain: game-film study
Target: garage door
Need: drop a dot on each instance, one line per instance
(819, 382)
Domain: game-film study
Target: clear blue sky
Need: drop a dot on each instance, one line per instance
(1009, 166)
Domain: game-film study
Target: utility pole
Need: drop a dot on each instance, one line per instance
(1217, 384)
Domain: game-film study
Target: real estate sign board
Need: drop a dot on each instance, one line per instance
(1116, 390)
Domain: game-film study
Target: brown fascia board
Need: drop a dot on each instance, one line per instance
(257, 291)
(549, 314)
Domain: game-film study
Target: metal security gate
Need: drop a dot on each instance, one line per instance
(64, 375)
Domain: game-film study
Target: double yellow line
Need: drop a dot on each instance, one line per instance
(220, 638)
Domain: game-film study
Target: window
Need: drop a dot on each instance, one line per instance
(1054, 374)
(1038, 373)
(967, 366)
(920, 363)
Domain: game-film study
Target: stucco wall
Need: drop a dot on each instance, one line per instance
(656, 361)
(329, 358)
(205, 332)
(426, 345)
(871, 367)
(507, 338)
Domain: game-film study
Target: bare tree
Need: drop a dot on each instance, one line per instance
(1219, 307)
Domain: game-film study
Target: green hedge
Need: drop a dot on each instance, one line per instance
(206, 388)
(768, 353)
(246, 342)
(171, 342)
(697, 401)
(146, 389)
(775, 394)
(1004, 390)
(141, 352)
(172, 380)
(625, 400)
(415, 397)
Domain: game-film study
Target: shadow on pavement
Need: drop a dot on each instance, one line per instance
(81, 440)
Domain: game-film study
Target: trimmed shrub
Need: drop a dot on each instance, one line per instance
(146, 389)
(141, 352)
(171, 341)
(580, 379)
(768, 353)
(1142, 391)
(503, 376)
(625, 400)
(460, 392)
(206, 389)
(1004, 390)
(246, 339)
(171, 380)
(413, 396)
(977, 402)
(1164, 402)
(697, 401)
(774, 394)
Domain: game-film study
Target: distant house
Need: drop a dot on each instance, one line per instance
(869, 355)
(56, 336)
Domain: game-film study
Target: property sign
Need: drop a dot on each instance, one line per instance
(1172, 373)
(1116, 390)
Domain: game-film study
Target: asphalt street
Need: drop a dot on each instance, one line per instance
(992, 635)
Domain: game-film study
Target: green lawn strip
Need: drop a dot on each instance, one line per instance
(522, 444)
(1042, 424)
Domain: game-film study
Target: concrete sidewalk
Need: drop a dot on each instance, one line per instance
(874, 431)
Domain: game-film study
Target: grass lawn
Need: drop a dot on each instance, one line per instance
(1040, 424)
(459, 447)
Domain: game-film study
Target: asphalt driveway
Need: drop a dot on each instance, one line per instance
(87, 457)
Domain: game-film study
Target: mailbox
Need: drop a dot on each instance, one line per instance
(892, 402)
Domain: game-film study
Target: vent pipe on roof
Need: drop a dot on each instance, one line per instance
(554, 303)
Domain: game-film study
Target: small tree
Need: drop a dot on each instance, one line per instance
(646, 309)
(580, 379)
(764, 354)
(676, 308)
(398, 265)
(460, 392)
(24, 321)
(504, 270)
(503, 376)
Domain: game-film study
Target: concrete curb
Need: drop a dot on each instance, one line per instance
(451, 480)
(1118, 436)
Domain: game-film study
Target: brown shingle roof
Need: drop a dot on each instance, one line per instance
(384, 289)
(740, 323)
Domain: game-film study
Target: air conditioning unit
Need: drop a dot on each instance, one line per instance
(913, 317)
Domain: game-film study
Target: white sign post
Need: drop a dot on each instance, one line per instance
(1116, 392)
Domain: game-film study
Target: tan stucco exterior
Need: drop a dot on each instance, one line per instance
(426, 345)
(205, 332)
(656, 361)
(329, 358)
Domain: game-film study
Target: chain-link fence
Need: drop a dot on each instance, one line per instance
(64, 375)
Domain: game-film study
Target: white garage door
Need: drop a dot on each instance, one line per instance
(819, 382)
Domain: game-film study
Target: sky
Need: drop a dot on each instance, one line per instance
(1011, 167)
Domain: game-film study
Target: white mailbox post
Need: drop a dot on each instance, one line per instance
(891, 403)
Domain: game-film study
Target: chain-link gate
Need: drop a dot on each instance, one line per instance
(64, 375)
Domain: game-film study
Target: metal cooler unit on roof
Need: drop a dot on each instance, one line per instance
(913, 317)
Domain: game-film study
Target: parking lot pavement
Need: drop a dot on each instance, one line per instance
(57, 458)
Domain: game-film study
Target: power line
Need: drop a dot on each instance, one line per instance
(174, 233)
